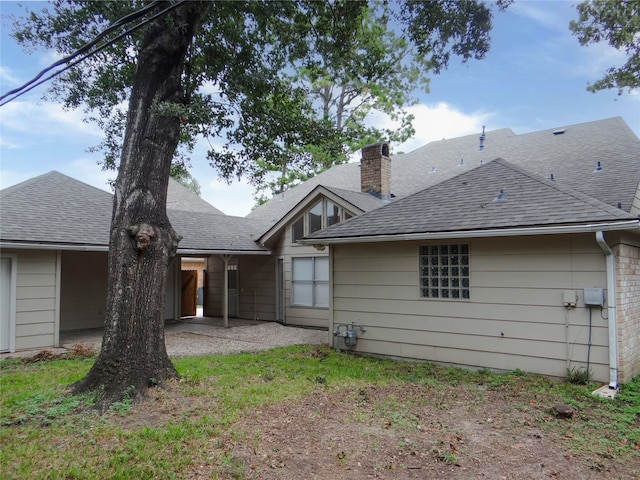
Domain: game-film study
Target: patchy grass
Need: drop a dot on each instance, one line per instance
(201, 425)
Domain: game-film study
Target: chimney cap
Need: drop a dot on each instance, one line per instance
(379, 147)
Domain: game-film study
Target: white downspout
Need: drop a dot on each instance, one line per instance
(611, 308)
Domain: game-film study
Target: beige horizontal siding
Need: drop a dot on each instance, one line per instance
(295, 315)
(36, 291)
(83, 293)
(514, 319)
(35, 341)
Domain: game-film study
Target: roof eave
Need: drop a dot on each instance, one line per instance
(105, 248)
(317, 192)
(495, 232)
(52, 246)
(189, 251)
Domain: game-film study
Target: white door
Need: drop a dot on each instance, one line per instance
(6, 303)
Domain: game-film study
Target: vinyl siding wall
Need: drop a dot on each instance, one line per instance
(257, 277)
(37, 293)
(83, 290)
(514, 319)
(297, 315)
(256, 286)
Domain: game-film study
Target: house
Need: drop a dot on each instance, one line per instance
(494, 268)
(519, 270)
(54, 234)
(355, 243)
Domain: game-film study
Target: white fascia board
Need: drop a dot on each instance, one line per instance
(505, 232)
(318, 192)
(54, 246)
(104, 248)
(187, 251)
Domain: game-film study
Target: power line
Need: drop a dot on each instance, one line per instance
(33, 83)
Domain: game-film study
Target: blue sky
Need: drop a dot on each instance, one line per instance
(534, 78)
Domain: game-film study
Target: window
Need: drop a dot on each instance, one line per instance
(310, 281)
(297, 230)
(321, 215)
(315, 217)
(333, 213)
(444, 271)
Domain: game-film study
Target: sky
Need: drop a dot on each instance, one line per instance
(534, 78)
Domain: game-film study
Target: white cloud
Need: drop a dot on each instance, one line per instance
(435, 122)
(46, 119)
(8, 77)
(552, 15)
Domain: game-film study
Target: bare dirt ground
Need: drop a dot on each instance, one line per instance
(456, 432)
(405, 431)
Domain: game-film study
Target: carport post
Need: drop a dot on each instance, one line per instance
(225, 290)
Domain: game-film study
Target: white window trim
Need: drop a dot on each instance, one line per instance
(311, 282)
(12, 299)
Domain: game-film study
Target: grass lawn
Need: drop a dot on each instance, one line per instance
(310, 412)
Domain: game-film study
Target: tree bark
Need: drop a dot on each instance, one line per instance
(142, 241)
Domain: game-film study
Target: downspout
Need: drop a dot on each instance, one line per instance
(611, 308)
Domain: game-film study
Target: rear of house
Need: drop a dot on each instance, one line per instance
(501, 303)
(495, 268)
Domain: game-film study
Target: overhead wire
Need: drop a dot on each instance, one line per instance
(33, 83)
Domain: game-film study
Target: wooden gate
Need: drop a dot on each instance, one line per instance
(189, 293)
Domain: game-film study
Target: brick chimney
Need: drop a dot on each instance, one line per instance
(375, 170)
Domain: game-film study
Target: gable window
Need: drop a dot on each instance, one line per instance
(444, 271)
(310, 281)
(297, 230)
(321, 215)
(333, 213)
(314, 216)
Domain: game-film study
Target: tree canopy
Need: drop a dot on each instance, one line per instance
(618, 23)
(295, 101)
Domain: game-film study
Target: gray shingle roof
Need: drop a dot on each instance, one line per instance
(468, 202)
(54, 209)
(364, 201)
(181, 198)
(570, 156)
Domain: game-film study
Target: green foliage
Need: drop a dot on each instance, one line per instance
(578, 376)
(616, 22)
(284, 87)
(47, 434)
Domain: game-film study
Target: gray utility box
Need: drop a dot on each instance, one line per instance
(594, 297)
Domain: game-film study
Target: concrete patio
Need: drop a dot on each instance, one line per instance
(202, 336)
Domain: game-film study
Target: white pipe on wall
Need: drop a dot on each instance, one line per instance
(611, 308)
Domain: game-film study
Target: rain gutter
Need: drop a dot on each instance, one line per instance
(496, 232)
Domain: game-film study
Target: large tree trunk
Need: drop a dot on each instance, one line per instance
(142, 241)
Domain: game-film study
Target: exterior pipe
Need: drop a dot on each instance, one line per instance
(611, 308)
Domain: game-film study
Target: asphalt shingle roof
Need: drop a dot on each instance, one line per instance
(181, 198)
(571, 156)
(54, 209)
(468, 202)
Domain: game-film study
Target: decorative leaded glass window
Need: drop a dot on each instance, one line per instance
(444, 271)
